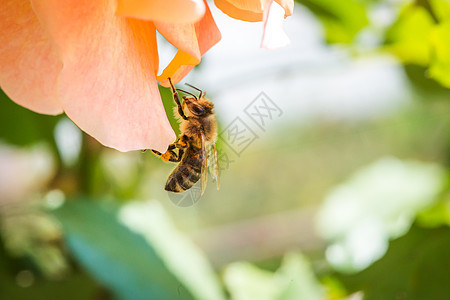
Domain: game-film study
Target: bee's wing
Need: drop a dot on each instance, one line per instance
(213, 163)
(216, 168)
(204, 171)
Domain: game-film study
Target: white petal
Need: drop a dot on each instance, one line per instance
(274, 36)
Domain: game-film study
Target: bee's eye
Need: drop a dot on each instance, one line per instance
(197, 110)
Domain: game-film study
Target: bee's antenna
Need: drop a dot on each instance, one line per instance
(190, 85)
(187, 93)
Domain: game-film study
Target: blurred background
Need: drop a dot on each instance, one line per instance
(334, 155)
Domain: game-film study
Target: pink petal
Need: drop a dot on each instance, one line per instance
(108, 85)
(29, 65)
(173, 11)
(192, 40)
(274, 36)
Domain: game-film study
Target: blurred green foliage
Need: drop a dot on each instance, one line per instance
(32, 127)
(419, 34)
(440, 41)
(118, 258)
(408, 38)
(416, 266)
(342, 20)
(293, 280)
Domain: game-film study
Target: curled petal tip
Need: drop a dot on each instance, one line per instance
(192, 40)
(177, 68)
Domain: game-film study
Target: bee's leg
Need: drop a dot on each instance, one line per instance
(177, 100)
(175, 157)
(155, 152)
(182, 142)
(170, 155)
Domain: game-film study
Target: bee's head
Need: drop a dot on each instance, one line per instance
(198, 107)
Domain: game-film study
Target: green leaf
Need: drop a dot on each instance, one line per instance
(342, 19)
(441, 8)
(416, 266)
(21, 126)
(440, 64)
(120, 259)
(409, 36)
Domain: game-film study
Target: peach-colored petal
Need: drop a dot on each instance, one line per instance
(183, 37)
(251, 10)
(192, 41)
(274, 36)
(108, 85)
(28, 63)
(249, 5)
(173, 11)
(236, 11)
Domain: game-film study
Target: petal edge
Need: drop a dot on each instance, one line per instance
(108, 85)
(29, 64)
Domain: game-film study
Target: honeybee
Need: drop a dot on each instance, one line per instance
(196, 144)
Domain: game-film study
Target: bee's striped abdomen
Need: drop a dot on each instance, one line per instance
(187, 173)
